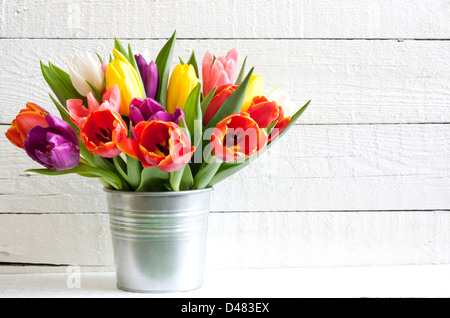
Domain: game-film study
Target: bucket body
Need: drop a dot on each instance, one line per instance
(159, 239)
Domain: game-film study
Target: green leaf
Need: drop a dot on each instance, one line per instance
(207, 170)
(186, 180)
(163, 62)
(227, 169)
(99, 58)
(64, 114)
(59, 82)
(153, 179)
(241, 73)
(134, 171)
(175, 179)
(133, 63)
(53, 83)
(297, 115)
(193, 112)
(104, 163)
(97, 94)
(232, 104)
(269, 128)
(66, 81)
(205, 174)
(120, 166)
(85, 171)
(119, 47)
(207, 100)
(193, 61)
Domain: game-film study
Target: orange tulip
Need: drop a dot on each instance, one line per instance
(101, 132)
(27, 119)
(236, 137)
(159, 144)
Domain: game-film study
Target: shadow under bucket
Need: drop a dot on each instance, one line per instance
(159, 239)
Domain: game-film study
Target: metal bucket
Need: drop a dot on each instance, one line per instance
(159, 239)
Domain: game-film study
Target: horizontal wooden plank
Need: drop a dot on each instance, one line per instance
(313, 168)
(246, 240)
(348, 81)
(225, 19)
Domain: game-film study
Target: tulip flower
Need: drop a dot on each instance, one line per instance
(149, 109)
(220, 96)
(101, 132)
(181, 83)
(121, 73)
(78, 112)
(236, 137)
(149, 75)
(55, 147)
(85, 67)
(27, 119)
(159, 144)
(264, 112)
(218, 71)
(255, 88)
(279, 127)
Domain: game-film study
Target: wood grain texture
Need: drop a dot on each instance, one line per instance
(362, 179)
(225, 19)
(246, 240)
(322, 168)
(347, 81)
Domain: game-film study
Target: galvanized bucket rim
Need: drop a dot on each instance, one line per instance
(158, 194)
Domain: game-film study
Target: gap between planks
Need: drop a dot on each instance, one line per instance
(234, 38)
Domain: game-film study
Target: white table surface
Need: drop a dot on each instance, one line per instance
(422, 281)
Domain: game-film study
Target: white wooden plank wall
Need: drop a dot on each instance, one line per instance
(362, 179)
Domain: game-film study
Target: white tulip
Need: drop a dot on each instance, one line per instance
(279, 96)
(85, 67)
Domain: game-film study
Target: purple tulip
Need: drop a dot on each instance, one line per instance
(55, 147)
(149, 109)
(149, 75)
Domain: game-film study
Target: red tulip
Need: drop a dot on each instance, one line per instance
(237, 136)
(27, 119)
(279, 127)
(159, 144)
(101, 132)
(220, 96)
(264, 112)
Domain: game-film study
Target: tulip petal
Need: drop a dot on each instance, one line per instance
(263, 111)
(130, 147)
(112, 95)
(206, 72)
(93, 104)
(25, 121)
(77, 111)
(13, 135)
(62, 128)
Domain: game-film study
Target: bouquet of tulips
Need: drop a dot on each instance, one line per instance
(135, 128)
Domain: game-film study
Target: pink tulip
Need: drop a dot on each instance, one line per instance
(78, 112)
(219, 71)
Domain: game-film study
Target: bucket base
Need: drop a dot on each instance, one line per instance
(142, 291)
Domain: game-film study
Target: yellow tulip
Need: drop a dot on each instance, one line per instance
(182, 81)
(121, 73)
(255, 88)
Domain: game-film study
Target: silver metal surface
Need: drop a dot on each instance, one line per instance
(159, 239)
